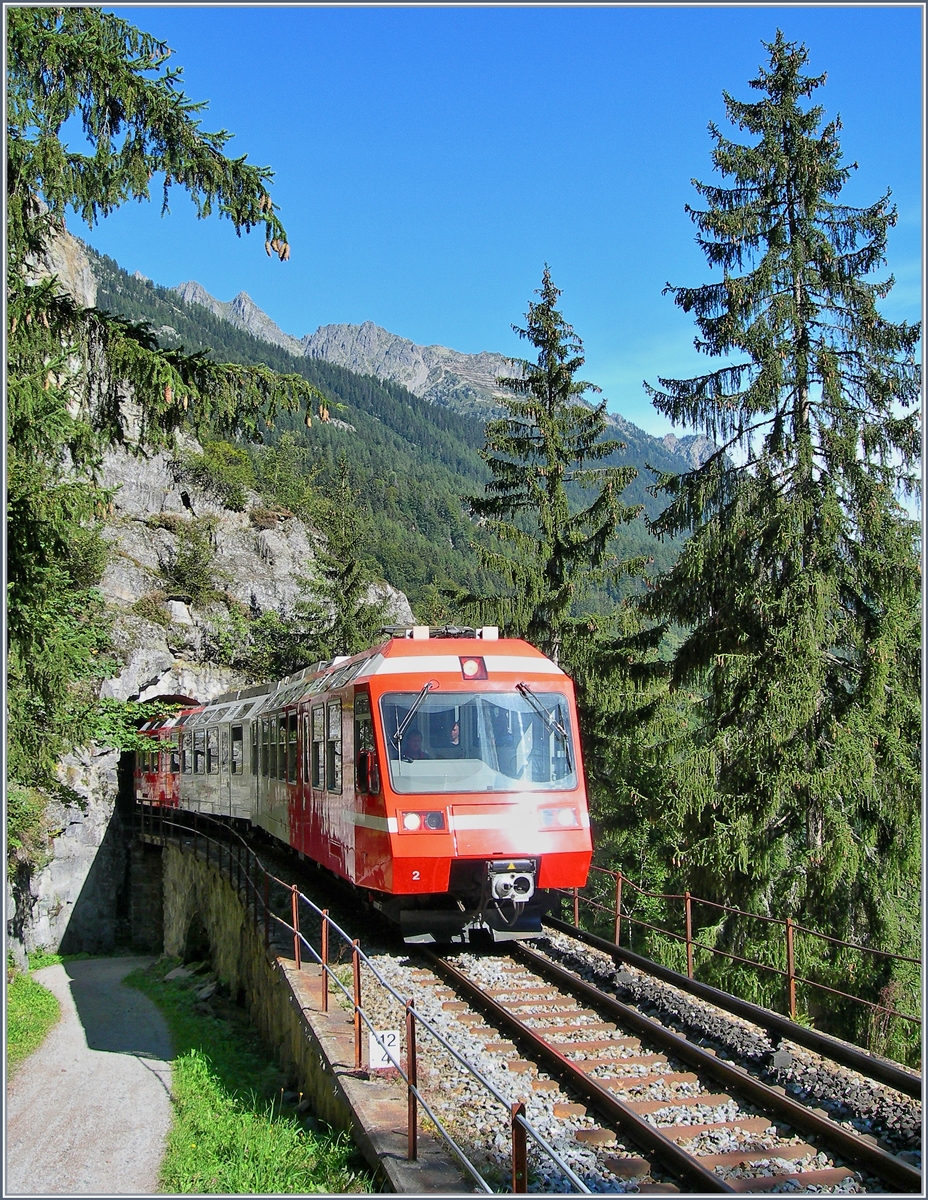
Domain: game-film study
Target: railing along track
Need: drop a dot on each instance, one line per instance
(873, 1067)
(682, 1163)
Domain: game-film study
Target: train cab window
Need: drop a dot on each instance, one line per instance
(318, 742)
(238, 750)
(333, 747)
(199, 752)
(265, 747)
(460, 742)
(291, 747)
(212, 751)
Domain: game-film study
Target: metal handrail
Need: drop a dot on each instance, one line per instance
(692, 943)
(252, 884)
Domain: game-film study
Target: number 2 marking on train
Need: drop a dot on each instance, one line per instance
(415, 874)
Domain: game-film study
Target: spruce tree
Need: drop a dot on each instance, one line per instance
(79, 380)
(795, 782)
(553, 514)
(341, 614)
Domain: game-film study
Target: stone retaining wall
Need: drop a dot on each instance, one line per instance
(204, 914)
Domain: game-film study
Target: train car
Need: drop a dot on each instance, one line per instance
(438, 772)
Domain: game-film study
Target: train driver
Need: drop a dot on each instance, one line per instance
(413, 748)
(453, 747)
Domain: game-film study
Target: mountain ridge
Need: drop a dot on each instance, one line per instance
(442, 376)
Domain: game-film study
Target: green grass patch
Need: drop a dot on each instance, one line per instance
(232, 1133)
(31, 1011)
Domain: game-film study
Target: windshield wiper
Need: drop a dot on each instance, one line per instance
(553, 724)
(402, 726)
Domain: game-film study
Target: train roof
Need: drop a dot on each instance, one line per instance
(408, 649)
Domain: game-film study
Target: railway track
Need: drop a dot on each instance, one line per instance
(630, 1103)
(650, 1089)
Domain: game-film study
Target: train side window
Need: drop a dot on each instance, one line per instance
(333, 747)
(238, 750)
(174, 751)
(255, 749)
(199, 752)
(365, 758)
(318, 742)
(305, 769)
(224, 751)
(186, 756)
(272, 747)
(265, 746)
(291, 747)
(212, 751)
(282, 746)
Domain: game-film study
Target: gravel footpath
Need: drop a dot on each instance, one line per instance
(88, 1112)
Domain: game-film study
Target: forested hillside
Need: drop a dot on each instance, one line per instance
(412, 461)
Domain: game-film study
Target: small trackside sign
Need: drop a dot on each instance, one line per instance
(383, 1049)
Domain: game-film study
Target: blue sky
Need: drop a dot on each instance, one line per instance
(430, 160)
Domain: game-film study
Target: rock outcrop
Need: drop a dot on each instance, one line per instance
(261, 565)
(435, 373)
(242, 312)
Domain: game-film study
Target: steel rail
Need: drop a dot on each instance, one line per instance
(880, 1069)
(646, 1135)
(852, 1146)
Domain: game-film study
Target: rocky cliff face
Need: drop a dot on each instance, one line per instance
(79, 900)
(258, 564)
(65, 257)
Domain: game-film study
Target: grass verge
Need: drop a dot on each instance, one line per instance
(232, 1131)
(31, 1011)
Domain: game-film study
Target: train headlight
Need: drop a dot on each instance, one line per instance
(561, 817)
(473, 668)
(433, 821)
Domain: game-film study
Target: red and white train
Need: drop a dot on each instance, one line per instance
(438, 772)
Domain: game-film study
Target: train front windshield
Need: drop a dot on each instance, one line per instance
(462, 742)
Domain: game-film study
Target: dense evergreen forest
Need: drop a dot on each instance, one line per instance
(746, 645)
(412, 462)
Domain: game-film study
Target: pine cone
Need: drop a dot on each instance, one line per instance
(267, 249)
(168, 393)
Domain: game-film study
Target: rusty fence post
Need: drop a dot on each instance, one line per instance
(324, 956)
(689, 934)
(790, 968)
(295, 915)
(519, 1151)
(267, 910)
(412, 1108)
(618, 907)
(577, 907)
(356, 971)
